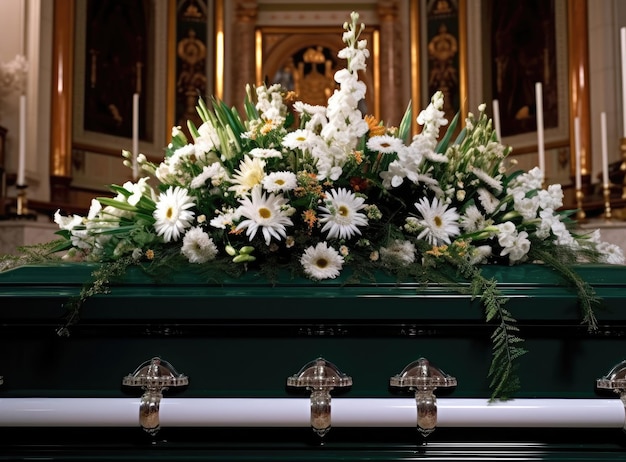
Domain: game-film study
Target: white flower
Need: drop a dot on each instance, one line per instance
(280, 181)
(299, 139)
(517, 246)
(385, 144)
(439, 223)
(472, 220)
(251, 172)
(171, 214)
(341, 215)
(399, 253)
(265, 213)
(198, 246)
(321, 261)
(611, 253)
(67, 223)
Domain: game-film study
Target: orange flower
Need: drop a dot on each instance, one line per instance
(150, 254)
(374, 125)
(308, 216)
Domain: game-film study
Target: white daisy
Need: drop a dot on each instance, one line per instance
(385, 144)
(251, 172)
(198, 246)
(171, 214)
(280, 181)
(299, 139)
(265, 213)
(321, 261)
(439, 222)
(473, 220)
(341, 215)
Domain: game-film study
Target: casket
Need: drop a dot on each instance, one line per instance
(244, 369)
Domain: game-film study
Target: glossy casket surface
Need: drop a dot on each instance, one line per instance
(243, 339)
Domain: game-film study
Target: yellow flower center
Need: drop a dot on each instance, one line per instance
(343, 211)
(438, 221)
(280, 181)
(265, 213)
(321, 263)
(169, 213)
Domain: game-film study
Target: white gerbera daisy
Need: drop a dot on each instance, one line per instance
(341, 215)
(321, 261)
(265, 213)
(439, 222)
(385, 144)
(280, 181)
(299, 139)
(198, 246)
(171, 214)
(251, 172)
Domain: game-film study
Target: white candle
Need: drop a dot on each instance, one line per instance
(21, 163)
(135, 135)
(496, 118)
(623, 48)
(605, 154)
(540, 138)
(577, 141)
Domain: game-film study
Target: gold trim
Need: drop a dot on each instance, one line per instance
(416, 96)
(376, 73)
(463, 72)
(219, 49)
(62, 84)
(258, 56)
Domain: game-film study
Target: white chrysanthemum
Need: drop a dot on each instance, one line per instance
(341, 215)
(472, 220)
(264, 212)
(198, 246)
(171, 214)
(214, 172)
(439, 222)
(399, 253)
(251, 172)
(384, 143)
(280, 181)
(321, 261)
(225, 218)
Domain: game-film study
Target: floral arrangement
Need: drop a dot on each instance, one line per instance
(325, 191)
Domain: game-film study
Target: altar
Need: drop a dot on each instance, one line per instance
(180, 369)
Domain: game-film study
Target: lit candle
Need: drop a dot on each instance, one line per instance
(540, 140)
(577, 141)
(623, 42)
(605, 154)
(135, 135)
(496, 118)
(21, 163)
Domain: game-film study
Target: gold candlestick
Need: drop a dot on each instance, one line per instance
(580, 213)
(607, 202)
(22, 201)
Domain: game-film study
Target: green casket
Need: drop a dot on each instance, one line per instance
(180, 369)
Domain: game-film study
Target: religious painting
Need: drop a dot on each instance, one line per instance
(192, 53)
(116, 53)
(523, 53)
(443, 50)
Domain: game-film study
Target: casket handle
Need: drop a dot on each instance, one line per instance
(615, 380)
(154, 377)
(424, 378)
(320, 377)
